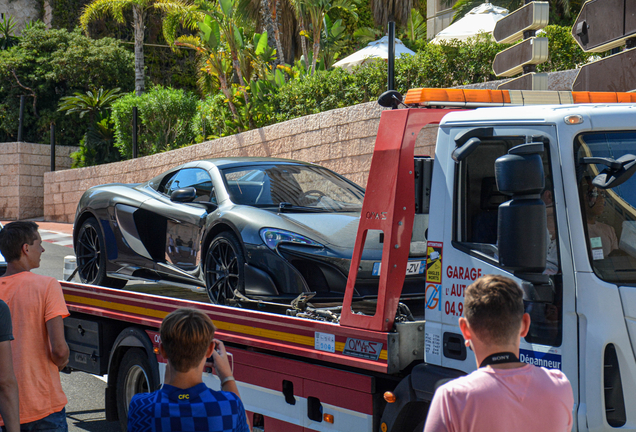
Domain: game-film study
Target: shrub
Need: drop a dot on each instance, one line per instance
(165, 117)
(212, 119)
(563, 51)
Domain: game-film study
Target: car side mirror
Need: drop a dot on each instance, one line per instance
(184, 195)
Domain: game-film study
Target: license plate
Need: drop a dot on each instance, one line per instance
(412, 268)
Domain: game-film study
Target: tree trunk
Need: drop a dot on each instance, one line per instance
(138, 24)
(270, 19)
(303, 41)
(316, 51)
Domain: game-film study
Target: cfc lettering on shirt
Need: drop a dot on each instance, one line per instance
(184, 396)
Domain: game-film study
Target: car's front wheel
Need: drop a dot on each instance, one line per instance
(224, 268)
(90, 252)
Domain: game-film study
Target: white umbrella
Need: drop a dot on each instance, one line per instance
(374, 50)
(481, 19)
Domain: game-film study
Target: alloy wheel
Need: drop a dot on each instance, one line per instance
(88, 253)
(222, 271)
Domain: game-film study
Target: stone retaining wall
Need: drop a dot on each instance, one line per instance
(22, 168)
(22, 12)
(341, 139)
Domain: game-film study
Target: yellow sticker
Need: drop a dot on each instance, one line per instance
(434, 262)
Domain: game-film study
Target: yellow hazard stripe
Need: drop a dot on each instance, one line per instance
(116, 306)
(222, 325)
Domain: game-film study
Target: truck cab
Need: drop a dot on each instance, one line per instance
(544, 195)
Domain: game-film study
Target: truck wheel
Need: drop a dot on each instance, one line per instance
(224, 268)
(134, 376)
(90, 251)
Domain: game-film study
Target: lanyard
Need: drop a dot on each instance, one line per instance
(499, 358)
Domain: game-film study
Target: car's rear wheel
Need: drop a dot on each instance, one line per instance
(90, 252)
(224, 268)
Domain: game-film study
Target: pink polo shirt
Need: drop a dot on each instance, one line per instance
(528, 398)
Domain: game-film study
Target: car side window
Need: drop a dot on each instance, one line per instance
(197, 178)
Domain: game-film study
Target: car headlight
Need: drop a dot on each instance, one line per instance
(272, 237)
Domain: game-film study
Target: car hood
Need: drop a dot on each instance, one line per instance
(331, 229)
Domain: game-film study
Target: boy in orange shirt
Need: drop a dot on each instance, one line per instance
(37, 311)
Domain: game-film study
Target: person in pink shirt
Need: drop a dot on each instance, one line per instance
(503, 394)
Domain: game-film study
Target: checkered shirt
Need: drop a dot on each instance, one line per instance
(198, 408)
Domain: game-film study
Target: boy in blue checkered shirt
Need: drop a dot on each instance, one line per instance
(185, 403)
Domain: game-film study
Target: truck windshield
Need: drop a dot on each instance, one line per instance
(609, 214)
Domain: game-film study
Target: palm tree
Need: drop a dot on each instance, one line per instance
(97, 146)
(93, 103)
(272, 15)
(209, 45)
(181, 12)
(317, 9)
(301, 13)
(101, 8)
(230, 31)
(393, 10)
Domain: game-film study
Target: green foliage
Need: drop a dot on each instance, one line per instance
(96, 147)
(564, 52)
(212, 119)
(47, 65)
(92, 103)
(165, 117)
(7, 35)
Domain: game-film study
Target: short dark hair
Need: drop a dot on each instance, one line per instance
(493, 307)
(186, 334)
(14, 235)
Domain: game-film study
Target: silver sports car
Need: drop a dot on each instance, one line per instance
(264, 228)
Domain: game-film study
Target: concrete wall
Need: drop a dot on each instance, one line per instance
(22, 168)
(22, 11)
(341, 140)
(439, 15)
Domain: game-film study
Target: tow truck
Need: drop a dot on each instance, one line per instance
(509, 191)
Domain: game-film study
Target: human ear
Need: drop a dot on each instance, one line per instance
(525, 325)
(210, 350)
(464, 327)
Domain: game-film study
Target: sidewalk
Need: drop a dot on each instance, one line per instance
(53, 232)
(58, 227)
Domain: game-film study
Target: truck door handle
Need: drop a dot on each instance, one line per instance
(454, 347)
(288, 391)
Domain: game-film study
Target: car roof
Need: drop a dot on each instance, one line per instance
(240, 161)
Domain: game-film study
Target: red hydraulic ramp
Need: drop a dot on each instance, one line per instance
(389, 206)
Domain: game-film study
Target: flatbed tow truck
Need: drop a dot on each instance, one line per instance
(507, 192)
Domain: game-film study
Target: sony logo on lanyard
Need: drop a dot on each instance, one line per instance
(499, 358)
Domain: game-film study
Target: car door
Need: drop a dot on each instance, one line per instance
(185, 221)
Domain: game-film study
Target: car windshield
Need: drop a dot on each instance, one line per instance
(300, 186)
(610, 214)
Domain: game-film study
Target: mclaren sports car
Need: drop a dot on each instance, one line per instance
(262, 228)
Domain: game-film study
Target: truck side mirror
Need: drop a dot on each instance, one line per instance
(522, 224)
